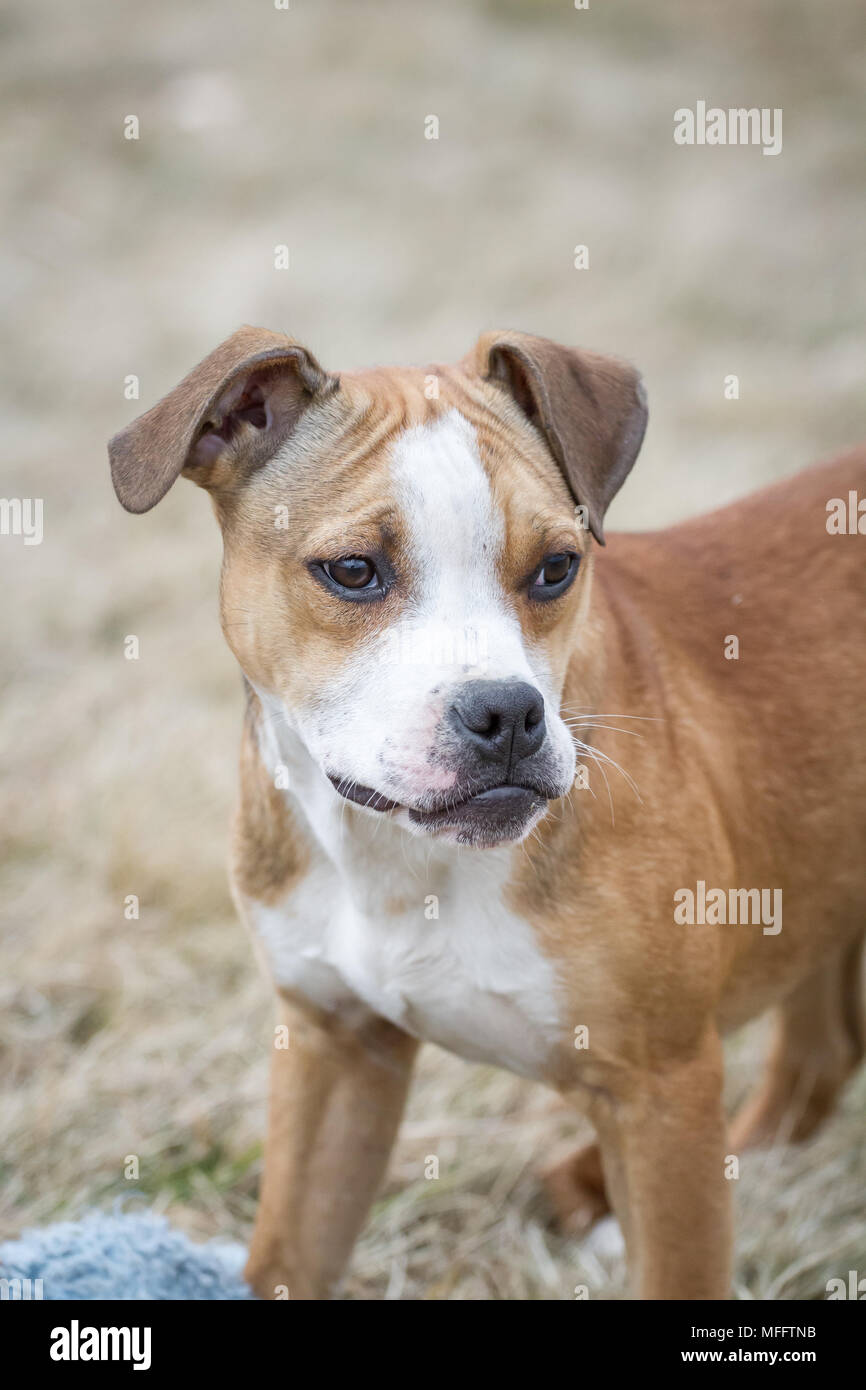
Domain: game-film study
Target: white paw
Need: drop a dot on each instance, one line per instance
(606, 1239)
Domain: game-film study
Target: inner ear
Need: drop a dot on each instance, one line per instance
(258, 400)
(253, 407)
(507, 368)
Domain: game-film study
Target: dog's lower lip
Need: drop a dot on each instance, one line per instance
(496, 801)
(363, 796)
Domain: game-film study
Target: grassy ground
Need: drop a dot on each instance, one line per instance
(259, 127)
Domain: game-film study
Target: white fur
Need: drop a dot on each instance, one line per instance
(606, 1240)
(472, 980)
(360, 932)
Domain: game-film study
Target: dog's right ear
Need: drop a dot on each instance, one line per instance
(235, 408)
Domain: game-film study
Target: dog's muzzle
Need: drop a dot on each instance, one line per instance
(495, 732)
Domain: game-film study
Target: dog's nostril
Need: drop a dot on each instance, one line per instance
(534, 716)
(480, 719)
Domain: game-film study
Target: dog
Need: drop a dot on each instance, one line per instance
(443, 660)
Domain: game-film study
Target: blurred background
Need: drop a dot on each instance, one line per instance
(306, 128)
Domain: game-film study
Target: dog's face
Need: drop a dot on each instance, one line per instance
(410, 620)
(407, 559)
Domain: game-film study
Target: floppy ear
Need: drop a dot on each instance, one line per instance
(237, 406)
(591, 410)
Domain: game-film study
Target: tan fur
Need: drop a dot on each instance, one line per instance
(750, 772)
(268, 853)
(733, 792)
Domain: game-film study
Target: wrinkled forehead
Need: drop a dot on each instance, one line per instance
(420, 462)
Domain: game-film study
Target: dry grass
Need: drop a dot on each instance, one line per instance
(149, 1037)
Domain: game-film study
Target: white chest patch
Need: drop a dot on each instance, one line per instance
(471, 978)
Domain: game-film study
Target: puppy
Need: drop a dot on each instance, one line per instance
(441, 835)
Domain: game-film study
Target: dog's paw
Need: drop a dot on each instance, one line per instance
(606, 1239)
(575, 1191)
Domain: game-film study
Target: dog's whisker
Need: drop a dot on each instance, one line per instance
(575, 724)
(587, 713)
(344, 786)
(597, 752)
(591, 752)
(600, 758)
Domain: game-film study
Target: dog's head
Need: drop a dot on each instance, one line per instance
(407, 557)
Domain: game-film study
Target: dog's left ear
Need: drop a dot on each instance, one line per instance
(228, 415)
(591, 410)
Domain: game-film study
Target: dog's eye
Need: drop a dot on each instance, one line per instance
(352, 572)
(555, 575)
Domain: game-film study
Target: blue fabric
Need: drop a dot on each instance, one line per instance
(124, 1256)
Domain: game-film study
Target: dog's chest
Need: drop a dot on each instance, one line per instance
(454, 967)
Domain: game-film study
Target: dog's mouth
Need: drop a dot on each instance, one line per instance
(487, 817)
(363, 796)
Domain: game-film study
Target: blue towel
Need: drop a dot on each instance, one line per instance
(122, 1256)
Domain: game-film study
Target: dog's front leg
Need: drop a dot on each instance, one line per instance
(663, 1149)
(336, 1097)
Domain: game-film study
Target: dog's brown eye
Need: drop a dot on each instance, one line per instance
(352, 572)
(555, 569)
(555, 575)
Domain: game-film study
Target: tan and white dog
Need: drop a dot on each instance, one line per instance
(433, 647)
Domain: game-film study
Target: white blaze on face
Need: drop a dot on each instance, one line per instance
(380, 722)
(461, 626)
(456, 534)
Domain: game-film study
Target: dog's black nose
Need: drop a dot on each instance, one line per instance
(503, 719)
